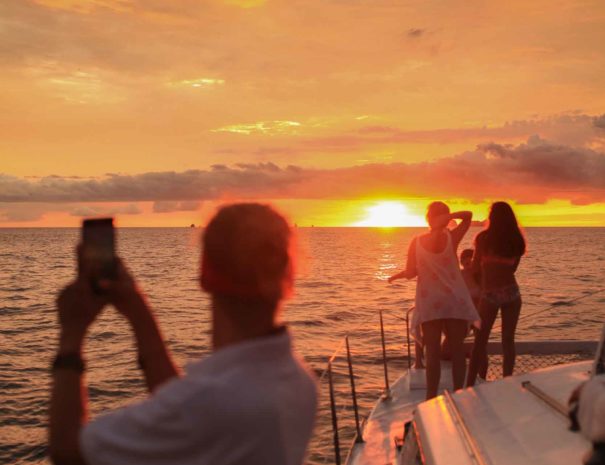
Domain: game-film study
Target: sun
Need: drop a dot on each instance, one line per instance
(390, 215)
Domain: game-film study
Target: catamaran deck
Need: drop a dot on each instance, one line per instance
(386, 420)
(509, 424)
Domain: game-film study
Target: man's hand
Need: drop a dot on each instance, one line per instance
(77, 306)
(154, 358)
(124, 294)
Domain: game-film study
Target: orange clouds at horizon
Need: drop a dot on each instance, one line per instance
(304, 213)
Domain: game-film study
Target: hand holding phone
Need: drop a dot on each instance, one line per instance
(98, 251)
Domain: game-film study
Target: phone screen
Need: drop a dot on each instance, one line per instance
(98, 249)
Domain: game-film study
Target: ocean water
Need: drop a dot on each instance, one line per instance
(340, 289)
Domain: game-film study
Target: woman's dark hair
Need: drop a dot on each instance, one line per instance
(503, 237)
(434, 211)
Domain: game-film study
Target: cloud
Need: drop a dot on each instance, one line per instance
(531, 172)
(599, 121)
(576, 130)
(96, 210)
(415, 32)
(197, 83)
(85, 210)
(168, 206)
(263, 127)
(130, 209)
(246, 180)
(22, 213)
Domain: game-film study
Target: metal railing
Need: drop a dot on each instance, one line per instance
(386, 391)
(550, 354)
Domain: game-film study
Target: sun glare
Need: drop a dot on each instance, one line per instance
(389, 215)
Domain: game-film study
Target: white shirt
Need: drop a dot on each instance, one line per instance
(591, 411)
(249, 403)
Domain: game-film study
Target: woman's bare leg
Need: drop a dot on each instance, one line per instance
(510, 317)
(456, 331)
(488, 313)
(419, 351)
(431, 331)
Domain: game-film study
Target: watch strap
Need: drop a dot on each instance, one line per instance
(71, 361)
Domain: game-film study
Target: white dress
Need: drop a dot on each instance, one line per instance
(440, 289)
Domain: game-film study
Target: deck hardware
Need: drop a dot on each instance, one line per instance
(334, 416)
(358, 437)
(401, 440)
(470, 442)
(546, 398)
(407, 331)
(387, 388)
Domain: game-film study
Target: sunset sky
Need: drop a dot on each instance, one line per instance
(338, 111)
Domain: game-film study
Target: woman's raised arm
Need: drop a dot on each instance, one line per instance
(459, 231)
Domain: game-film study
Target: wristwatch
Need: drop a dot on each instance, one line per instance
(70, 361)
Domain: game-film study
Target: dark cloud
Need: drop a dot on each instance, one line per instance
(599, 121)
(415, 32)
(255, 180)
(542, 163)
(532, 172)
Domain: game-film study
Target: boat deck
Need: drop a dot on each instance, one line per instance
(386, 420)
(509, 424)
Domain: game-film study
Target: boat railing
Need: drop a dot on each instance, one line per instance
(345, 354)
(350, 401)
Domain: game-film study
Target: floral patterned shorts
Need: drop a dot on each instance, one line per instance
(502, 296)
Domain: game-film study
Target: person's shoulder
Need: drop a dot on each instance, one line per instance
(418, 238)
(307, 376)
(480, 237)
(189, 392)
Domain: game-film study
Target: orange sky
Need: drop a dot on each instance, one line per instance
(157, 111)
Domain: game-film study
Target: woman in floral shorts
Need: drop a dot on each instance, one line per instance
(498, 251)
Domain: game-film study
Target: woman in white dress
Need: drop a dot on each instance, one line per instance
(443, 302)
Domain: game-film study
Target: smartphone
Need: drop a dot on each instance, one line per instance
(98, 250)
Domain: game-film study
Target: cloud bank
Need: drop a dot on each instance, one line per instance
(532, 172)
(242, 180)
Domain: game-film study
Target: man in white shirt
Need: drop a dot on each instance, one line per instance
(252, 401)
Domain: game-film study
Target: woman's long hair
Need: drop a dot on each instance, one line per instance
(503, 237)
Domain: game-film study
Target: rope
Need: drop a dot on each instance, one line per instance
(558, 304)
(522, 317)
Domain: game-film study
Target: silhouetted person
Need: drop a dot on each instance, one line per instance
(250, 402)
(466, 269)
(443, 303)
(470, 279)
(498, 251)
